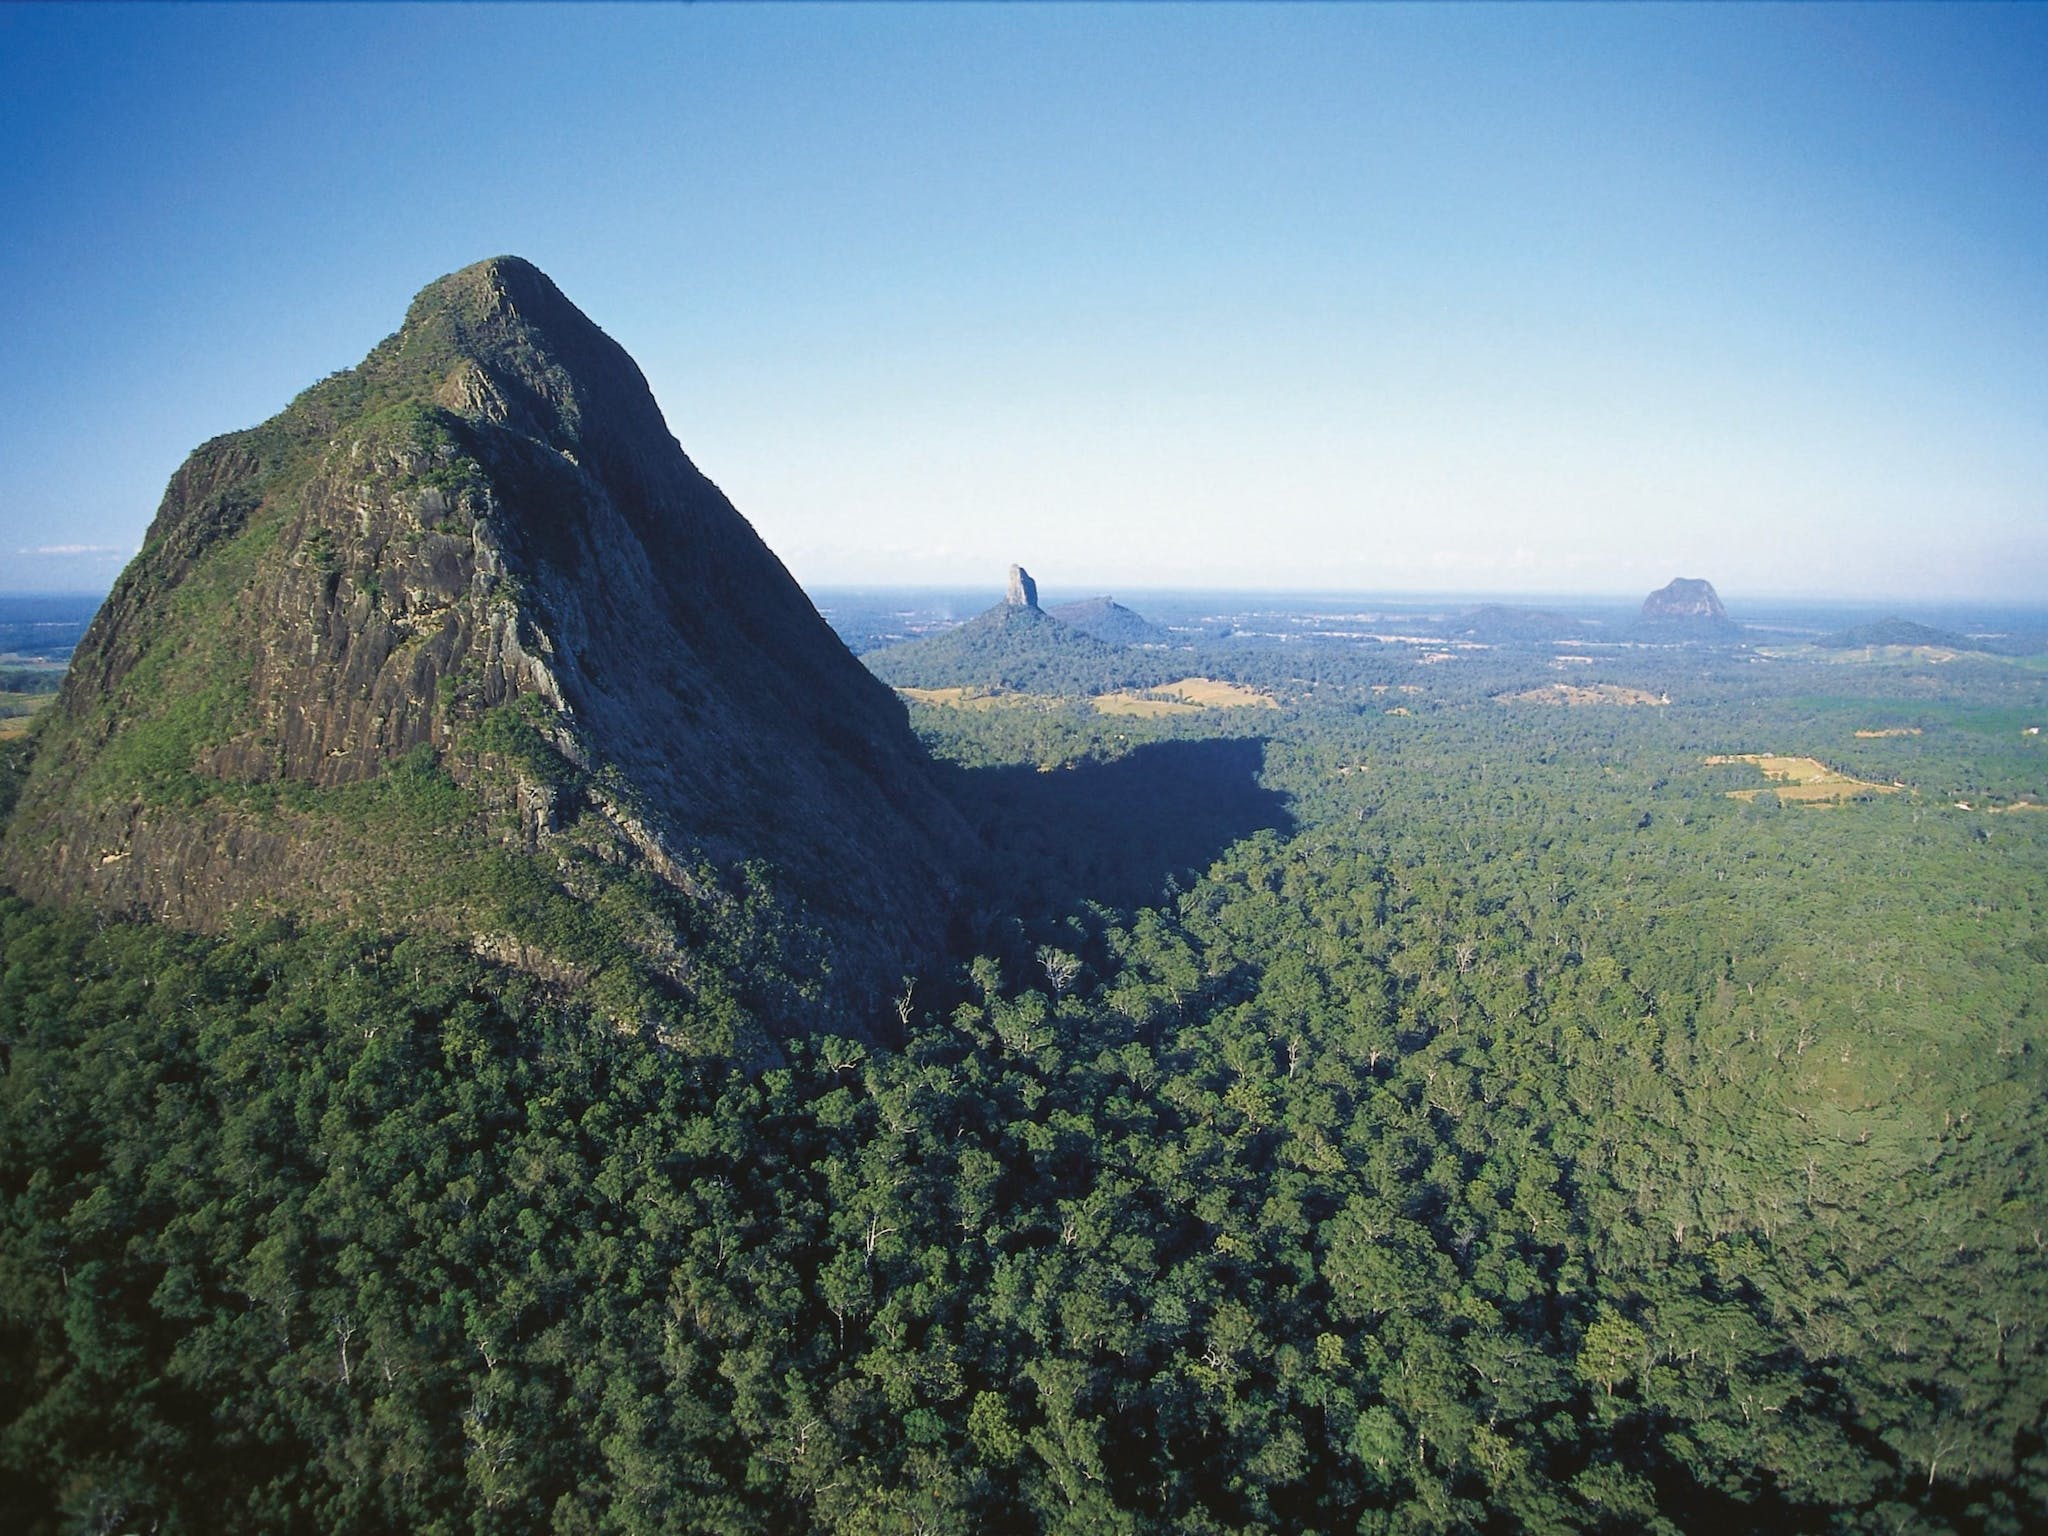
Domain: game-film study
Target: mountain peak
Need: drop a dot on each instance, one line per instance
(478, 557)
(1022, 591)
(1685, 597)
(1684, 609)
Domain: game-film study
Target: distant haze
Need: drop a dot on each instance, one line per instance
(1473, 298)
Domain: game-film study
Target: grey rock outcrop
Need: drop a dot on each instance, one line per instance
(1685, 611)
(1023, 591)
(1684, 598)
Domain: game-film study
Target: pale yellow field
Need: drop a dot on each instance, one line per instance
(12, 726)
(1188, 696)
(977, 698)
(1184, 697)
(1803, 779)
(1143, 708)
(1212, 694)
(1890, 730)
(1569, 695)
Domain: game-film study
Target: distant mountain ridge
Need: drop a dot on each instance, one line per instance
(471, 595)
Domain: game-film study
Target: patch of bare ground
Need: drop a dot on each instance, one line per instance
(1184, 697)
(1803, 780)
(1576, 695)
(29, 705)
(977, 698)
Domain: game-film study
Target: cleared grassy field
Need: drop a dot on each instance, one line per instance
(1577, 695)
(1806, 780)
(1184, 697)
(20, 711)
(1189, 696)
(978, 698)
(1140, 706)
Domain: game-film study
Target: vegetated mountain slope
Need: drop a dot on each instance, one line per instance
(1110, 622)
(1018, 646)
(471, 601)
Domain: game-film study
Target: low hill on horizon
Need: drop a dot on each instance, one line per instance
(1509, 623)
(1896, 631)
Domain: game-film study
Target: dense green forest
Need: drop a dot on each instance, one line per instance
(1469, 1119)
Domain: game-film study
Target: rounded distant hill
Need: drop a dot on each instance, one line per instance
(1110, 622)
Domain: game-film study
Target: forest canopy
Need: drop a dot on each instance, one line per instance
(1487, 1123)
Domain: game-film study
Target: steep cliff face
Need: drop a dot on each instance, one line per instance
(1022, 591)
(469, 599)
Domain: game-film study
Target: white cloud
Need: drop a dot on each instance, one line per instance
(73, 549)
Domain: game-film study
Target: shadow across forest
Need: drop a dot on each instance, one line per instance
(1114, 832)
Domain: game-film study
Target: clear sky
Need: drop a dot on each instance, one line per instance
(1533, 298)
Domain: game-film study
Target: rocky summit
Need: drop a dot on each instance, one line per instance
(463, 639)
(1685, 608)
(1684, 597)
(1022, 591)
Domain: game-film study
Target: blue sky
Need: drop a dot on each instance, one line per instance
(1525, 299)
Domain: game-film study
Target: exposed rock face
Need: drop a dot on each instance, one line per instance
(479, 555)
(1684, 598)
(1023, 591)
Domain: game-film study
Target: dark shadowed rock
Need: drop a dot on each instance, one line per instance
(471, 601)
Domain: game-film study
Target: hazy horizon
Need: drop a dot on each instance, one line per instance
(1134, 594)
